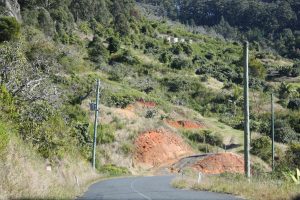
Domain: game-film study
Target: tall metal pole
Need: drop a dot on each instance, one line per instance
(96, 124)
(273, 132)
(246, 111)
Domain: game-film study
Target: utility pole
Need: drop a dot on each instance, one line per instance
(273, 132)
(246, 111)
(95, 107)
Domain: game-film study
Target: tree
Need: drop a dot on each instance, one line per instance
(113, 44)
(97, 51)
(120, 10)
(9, 28)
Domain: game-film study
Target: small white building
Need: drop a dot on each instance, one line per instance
(190, 41)
(182, 40)
(174, 40)
(168, 39)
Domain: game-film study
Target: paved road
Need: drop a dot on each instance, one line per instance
(146, 188)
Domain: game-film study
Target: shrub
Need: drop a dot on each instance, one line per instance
(179, 63)
(6, 101)
(127, 148)
(294, 104)
(113, 170)
(293, 155)
(106, 134)
(187, 49)
(205, 136)
(284, 132)
(176, 49)
(120, 100)
(164, 57)
(3, 138)
(205, 148)
(125, 57)
(113, 44)
(261, 147)
(209, 56)
(296, 70)
(97, 51)
(9, 28)
(51, 138)
(257, 69)
(214, 138)
(150, 114)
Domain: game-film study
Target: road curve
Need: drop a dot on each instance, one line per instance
(146, 188)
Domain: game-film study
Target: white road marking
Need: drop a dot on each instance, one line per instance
(136, 191)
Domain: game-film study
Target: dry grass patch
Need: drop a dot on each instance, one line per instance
(24, 176)
(259, 188)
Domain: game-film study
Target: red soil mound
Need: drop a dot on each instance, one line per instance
(220, 163)
(185, 124)
(147, 104)
(157, 148)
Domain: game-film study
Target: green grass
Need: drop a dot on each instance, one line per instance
(4, 138)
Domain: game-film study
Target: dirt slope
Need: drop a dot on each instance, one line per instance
(220, 163)
(158, 148)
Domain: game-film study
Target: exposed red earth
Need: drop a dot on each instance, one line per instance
(185, 124)
(220, 163)
(147, 104)
(159, 147)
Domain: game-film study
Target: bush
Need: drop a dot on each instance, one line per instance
(214, 138)
(3, 138)
(205, 136)
(127, 148)
(179, 63)
(294, 104)
(125, 57)
(9, 28)
(113, 170)
(113, 44)
(120, 100)
(284, 132)
(7, 102)
(209, 56)
(176, 49)
(293, 155)
(97, 51)
(164, 57)
(150, 114)
(106, 134)
(187, 49)
(295, 70)
(257, 69)
(261, 147)
(206, 148)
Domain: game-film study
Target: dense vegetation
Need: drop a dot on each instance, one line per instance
(270, 22)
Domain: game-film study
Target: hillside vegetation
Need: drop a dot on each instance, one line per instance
(272, 23)
(49, 63)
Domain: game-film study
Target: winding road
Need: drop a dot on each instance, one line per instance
(146, 188)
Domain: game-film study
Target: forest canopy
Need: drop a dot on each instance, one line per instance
(267, 21)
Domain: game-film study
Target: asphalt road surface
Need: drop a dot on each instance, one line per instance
(147, 188)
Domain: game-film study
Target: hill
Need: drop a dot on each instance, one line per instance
(273, 24)
(165, 88)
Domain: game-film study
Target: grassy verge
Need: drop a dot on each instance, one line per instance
(259, 188)
(23, 175)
